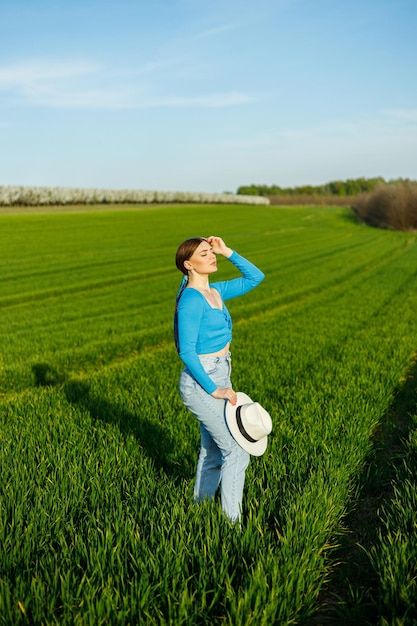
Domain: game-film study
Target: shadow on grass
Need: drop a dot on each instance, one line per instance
(351, 217)
(153, 439)
(45, 375)
(351, 596)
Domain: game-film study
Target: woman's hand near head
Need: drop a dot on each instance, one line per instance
(219, 247)
(225, 393)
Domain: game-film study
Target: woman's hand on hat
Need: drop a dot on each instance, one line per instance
(218, 246)
(225, 393)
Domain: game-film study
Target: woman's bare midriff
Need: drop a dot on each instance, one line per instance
(221, 352)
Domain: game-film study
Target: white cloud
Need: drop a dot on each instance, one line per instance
(214, 100)
(88, 85)
(32, 72)
(213, 32)
(48, 96)
(401, 115)
(369, 142)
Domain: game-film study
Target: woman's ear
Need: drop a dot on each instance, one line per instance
(188, 265)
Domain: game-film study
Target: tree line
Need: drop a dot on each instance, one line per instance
(337, 188)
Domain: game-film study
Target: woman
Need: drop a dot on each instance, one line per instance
(203, 333)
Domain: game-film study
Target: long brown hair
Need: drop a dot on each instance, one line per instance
(185, 251)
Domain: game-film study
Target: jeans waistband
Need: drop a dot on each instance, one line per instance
(215, 359)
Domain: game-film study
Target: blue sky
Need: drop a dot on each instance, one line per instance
(206, 95)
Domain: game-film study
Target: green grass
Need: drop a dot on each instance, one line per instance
(97, 523)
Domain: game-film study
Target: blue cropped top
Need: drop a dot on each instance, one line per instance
(203, 329)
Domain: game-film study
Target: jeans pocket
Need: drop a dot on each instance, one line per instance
(210, 368)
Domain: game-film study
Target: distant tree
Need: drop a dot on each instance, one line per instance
(248, 190)
(337, 188)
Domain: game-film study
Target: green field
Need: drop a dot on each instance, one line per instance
(97, 453)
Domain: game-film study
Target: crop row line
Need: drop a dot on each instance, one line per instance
(56, 292)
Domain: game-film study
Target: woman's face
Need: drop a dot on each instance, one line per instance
(203, 260)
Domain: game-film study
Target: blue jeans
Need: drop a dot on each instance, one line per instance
(221, 460)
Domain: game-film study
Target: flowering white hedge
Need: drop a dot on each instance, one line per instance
(42, 196)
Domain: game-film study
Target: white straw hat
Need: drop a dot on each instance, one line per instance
(249, 424)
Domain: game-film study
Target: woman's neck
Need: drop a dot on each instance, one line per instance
(201, 283)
